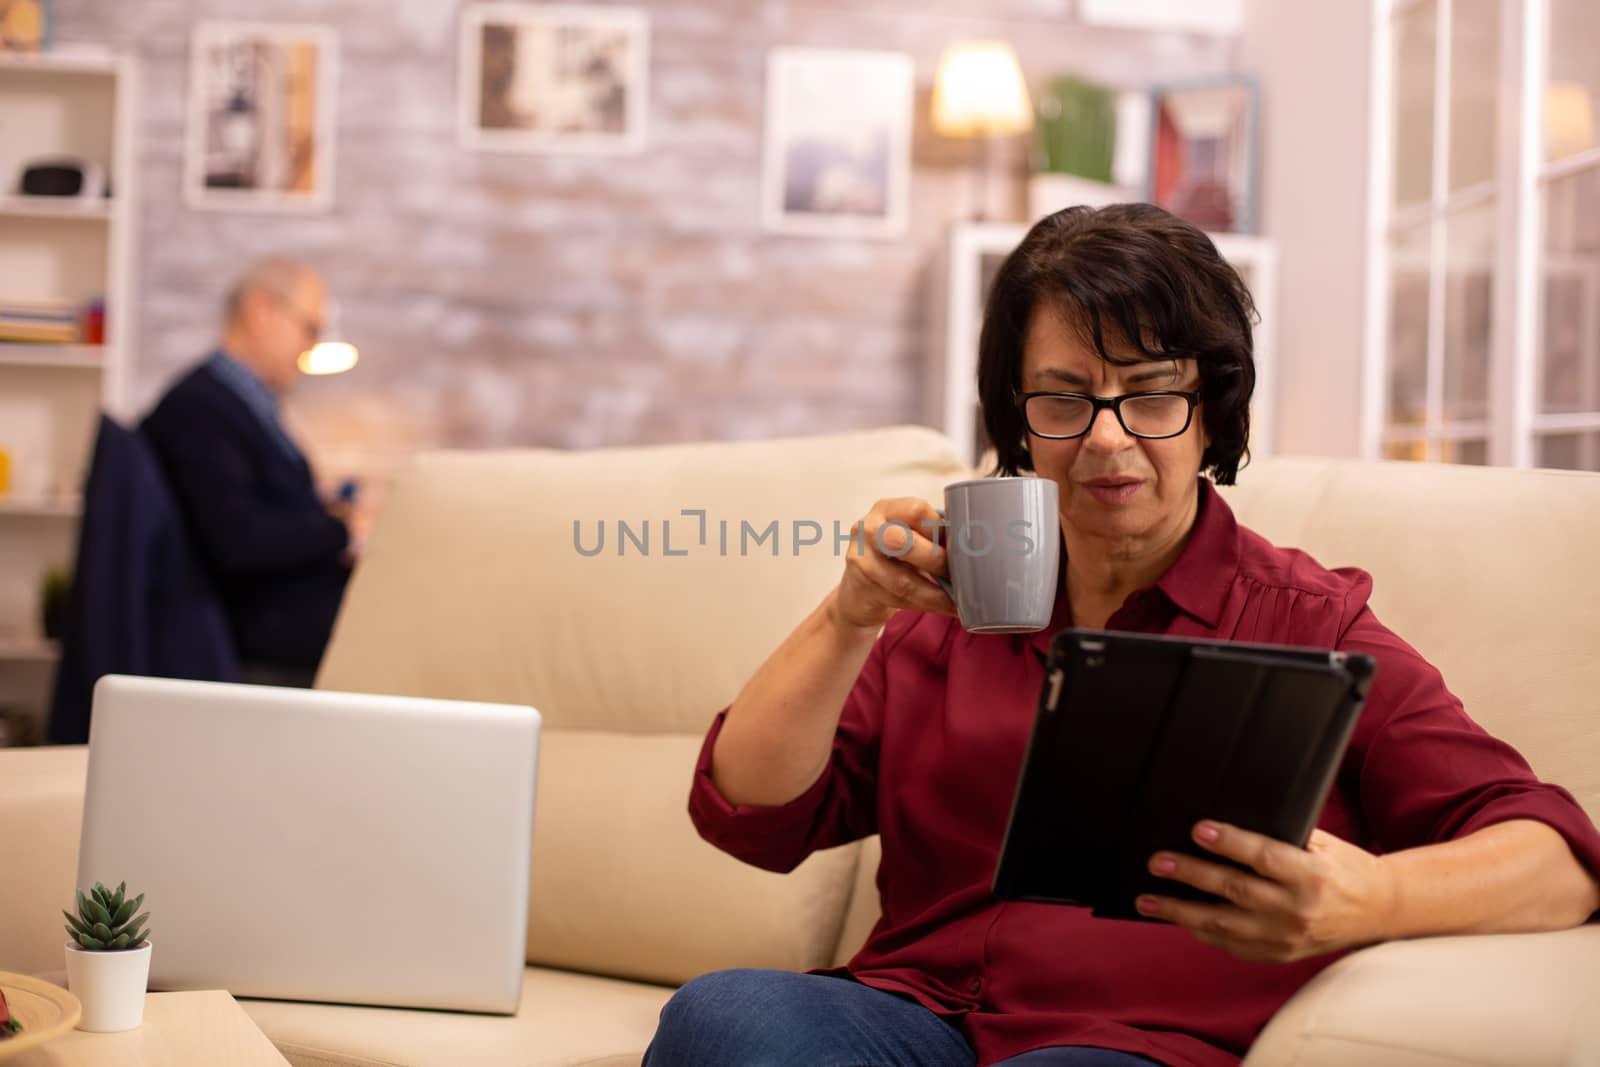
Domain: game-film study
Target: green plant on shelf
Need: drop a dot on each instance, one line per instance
(105, 921)
(1077, 129)
(53, 595)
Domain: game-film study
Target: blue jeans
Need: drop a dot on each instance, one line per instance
(759, 1018)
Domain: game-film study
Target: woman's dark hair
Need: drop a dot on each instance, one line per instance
(1146, 279)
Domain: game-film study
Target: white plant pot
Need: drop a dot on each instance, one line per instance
(110, 986)
(1049, 193)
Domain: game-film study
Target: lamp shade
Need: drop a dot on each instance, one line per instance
(979, 90)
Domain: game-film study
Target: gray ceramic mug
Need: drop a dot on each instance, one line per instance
(1004, 546)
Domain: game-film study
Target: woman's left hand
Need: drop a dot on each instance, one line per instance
(1292, 903)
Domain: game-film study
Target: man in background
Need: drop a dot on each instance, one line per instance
(279, 556)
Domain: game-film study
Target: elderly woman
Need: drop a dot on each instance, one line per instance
(1115, 361)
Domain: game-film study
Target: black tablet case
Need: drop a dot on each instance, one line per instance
(1137, 738)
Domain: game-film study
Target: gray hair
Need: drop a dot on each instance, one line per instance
(275, 276)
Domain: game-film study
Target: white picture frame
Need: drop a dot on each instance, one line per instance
(261, 132)
(1204, 151)
(532, 96)
(1221, 17)
(837, 153)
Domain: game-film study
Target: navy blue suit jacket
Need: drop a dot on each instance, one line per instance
(140, 601)
(253, 512)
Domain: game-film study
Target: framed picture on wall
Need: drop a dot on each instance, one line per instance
(261, 117)
(1179, 16)
(24, 25)
(553, 78)
(1203, 153)
(837, 158)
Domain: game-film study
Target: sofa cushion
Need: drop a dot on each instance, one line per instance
(622, 885)
(564, 1020)
(472, 585)
(41, 813)
(476, 585)
(1486, 571)
(1513, 1000)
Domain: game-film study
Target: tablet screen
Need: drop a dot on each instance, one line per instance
(1136, 738)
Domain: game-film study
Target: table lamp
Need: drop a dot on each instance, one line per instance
(979, 92)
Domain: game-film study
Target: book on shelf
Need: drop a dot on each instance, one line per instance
(37, 333)
(41, 324)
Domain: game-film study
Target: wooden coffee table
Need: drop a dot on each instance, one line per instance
(180, 1029)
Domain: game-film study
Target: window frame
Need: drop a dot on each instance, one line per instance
(1522, 176)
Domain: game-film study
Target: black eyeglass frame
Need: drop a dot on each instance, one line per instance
(1100, 403)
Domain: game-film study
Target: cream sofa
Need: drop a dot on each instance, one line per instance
(474, 587)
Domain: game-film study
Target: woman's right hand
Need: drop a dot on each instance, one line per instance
(887, 564)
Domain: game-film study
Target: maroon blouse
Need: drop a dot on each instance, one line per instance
(941, 718)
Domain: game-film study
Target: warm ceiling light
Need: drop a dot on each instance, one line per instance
(1568, 119)
(979, 90)
(329, 357)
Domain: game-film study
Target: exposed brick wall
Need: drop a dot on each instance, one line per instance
(569, 301)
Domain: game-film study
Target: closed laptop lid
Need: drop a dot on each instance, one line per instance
(308, 845)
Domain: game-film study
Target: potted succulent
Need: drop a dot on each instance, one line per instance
(1075, 147)
(108, 958)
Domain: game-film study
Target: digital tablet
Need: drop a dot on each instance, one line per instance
(1137, 738)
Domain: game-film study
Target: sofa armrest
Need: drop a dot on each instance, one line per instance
(1518, 1000)
(41, 818)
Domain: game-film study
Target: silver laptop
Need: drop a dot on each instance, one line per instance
(306, 845)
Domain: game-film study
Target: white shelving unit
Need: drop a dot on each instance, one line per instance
(62, 507)
(57, 250)
(41, 207)
(973, 255)
(64, 357)
(25, 650)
